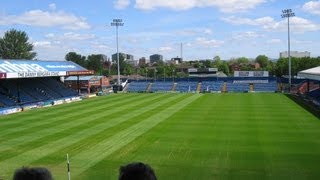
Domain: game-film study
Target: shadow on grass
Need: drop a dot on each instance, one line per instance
(306, 105)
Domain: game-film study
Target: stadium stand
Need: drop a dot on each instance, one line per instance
(211, 86)
(205, 85)
(186, 86)
(266, 87)
(137, 86)
(314, 94)
(174, 87)
(159, 86)
(26, 84)
(15, 92)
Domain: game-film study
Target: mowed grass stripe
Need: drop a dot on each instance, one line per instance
(56, 134)
(65, 127)
(218, 136)
(236, 150)
(48, 112)
(70, 111)
(58, 119)
(96, 138)
(52, 146)
(41, 119)
(98, 152)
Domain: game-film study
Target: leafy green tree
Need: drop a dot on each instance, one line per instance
(76, 58)
(127, 69)
(262, 60)
(15, 45)
(224, 67)
(271, 68)
(196, 64)
(243, 60)
(207, 63)
(95, 62)
(217, 61)
(217, 58)
(297, 64)
(282, 67)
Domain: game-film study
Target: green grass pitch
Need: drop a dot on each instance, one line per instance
(182, 136)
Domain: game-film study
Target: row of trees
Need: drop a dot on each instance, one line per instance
(14, 45)
(100, 64)
(277, 67)
(161, 69)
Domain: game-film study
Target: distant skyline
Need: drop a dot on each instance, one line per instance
(207, 28)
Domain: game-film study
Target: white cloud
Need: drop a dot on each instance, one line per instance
(100, 47)
(52, 6)
(42, 44)
(274, 41)
(188, 44)
(194, 31)
(246, 35)
(70, 36)
(165, 49)
(56, 50)
(228, 6)
(207, 31)
(302, 25)
(208, 42)
(297, 24)
(121, 4)
(46, 19)
(75, 36)
(312, 7)
(295, 41)
(50, 35)
(55, 46)
(247, 21)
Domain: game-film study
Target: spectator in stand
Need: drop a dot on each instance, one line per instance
(137, 171)
(37, 173)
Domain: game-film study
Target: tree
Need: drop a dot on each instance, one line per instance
(217, 58)
(216, 61)
(282, 67)
(224, 67)
(76, 58)
(243, 60)
(15, 45)
(207, 63)
(127, 69)
(262, 60)
(196, 64)
(271, 68)
(94, 62)
(297, 64)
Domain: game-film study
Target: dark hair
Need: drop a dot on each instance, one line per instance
(38, 173)
(137, 171)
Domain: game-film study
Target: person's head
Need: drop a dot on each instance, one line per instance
(38, 173)
(137, 171)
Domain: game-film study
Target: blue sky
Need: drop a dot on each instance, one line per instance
(207, 28)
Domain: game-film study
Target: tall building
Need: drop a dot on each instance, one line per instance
(156, 58)
(296, 54)
(129, 57)
(176, 60)
(132, 62)
(142, 61)
(121, 55)
(126, 57)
